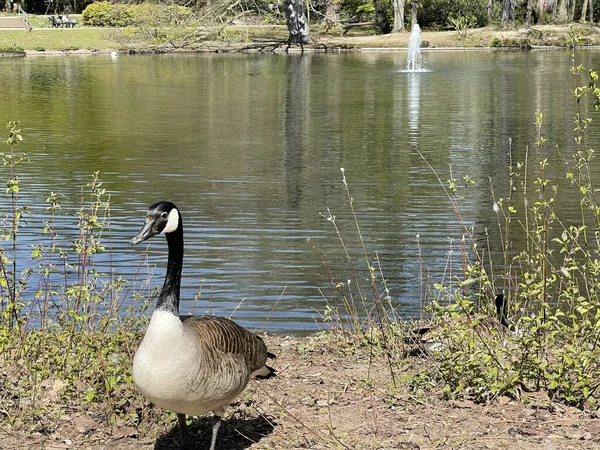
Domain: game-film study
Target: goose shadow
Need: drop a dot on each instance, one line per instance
(234, 434)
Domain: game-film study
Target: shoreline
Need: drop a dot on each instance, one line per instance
(270, 39)
(105, 52)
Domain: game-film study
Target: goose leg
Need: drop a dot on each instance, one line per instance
(183, 431)
(216, 424)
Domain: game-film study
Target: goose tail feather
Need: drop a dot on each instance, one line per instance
(265, 372)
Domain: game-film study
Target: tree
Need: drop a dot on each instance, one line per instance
(490, 9)
(541, 12)
(572, 11)
(562, 15)
(414, 9)
(398, 6)
(587, 7)
(332, 12)
(528, 13)
(508, 14)
(296, 22)
(381, 17)
(583, 11)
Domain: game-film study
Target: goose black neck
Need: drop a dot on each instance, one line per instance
(169, 296)
(502, 310)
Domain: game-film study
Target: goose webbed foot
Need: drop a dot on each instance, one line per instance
(216, 424)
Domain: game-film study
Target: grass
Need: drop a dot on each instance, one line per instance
(59, 39)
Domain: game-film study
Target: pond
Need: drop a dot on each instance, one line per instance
(250, 148)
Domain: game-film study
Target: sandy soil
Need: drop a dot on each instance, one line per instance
(538, 36)
(322, 399)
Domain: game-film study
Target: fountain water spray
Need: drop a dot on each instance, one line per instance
(413, 63)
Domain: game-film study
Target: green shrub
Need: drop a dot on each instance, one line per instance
(496, 42)
(547, 337)
(66, 336)
(437, 12)
(105, 14)
(462, 24)
(551, 282)
(158, 14)
(12, 48)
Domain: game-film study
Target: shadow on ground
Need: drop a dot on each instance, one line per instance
(235, 434)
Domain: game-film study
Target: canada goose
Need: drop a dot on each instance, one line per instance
(195, 364)
(427, 338)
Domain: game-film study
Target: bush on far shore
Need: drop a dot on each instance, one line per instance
(105, 14)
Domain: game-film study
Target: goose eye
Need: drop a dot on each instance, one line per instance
(164, 215)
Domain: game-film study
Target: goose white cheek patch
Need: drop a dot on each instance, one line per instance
(172, 221)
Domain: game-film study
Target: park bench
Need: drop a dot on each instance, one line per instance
(54, 21)
(61, 21)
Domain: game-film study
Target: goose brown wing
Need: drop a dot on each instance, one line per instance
(221, 335)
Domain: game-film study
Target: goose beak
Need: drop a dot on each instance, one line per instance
(146, 233)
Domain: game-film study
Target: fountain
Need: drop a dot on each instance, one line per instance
(414, 63)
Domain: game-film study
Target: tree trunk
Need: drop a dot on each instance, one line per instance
(528, 14)
(381, 16)
(414, 9)
(541, 10)
(398, 6)
(296, 22)
(490, 9)
(562, 15)
(508, 14)
(583, 11)
(332, 13)
(572, 11)
(591, 3)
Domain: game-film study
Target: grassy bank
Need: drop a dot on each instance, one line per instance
(272, 38)
(41, 40)
(69, 328)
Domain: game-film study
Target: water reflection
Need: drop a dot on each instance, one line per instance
(250, 148)
(296, 110)
(414, 87)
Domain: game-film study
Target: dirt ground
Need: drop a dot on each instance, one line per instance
(537, 36)
(360, 39)
(323, 399)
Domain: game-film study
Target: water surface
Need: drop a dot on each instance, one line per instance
(250, 148)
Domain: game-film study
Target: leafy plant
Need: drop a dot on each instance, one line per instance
(12, 48)
(551, 283)
(550, 280)
(462, 24)
(65, 334)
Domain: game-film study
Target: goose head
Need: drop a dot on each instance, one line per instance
(162, 217)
